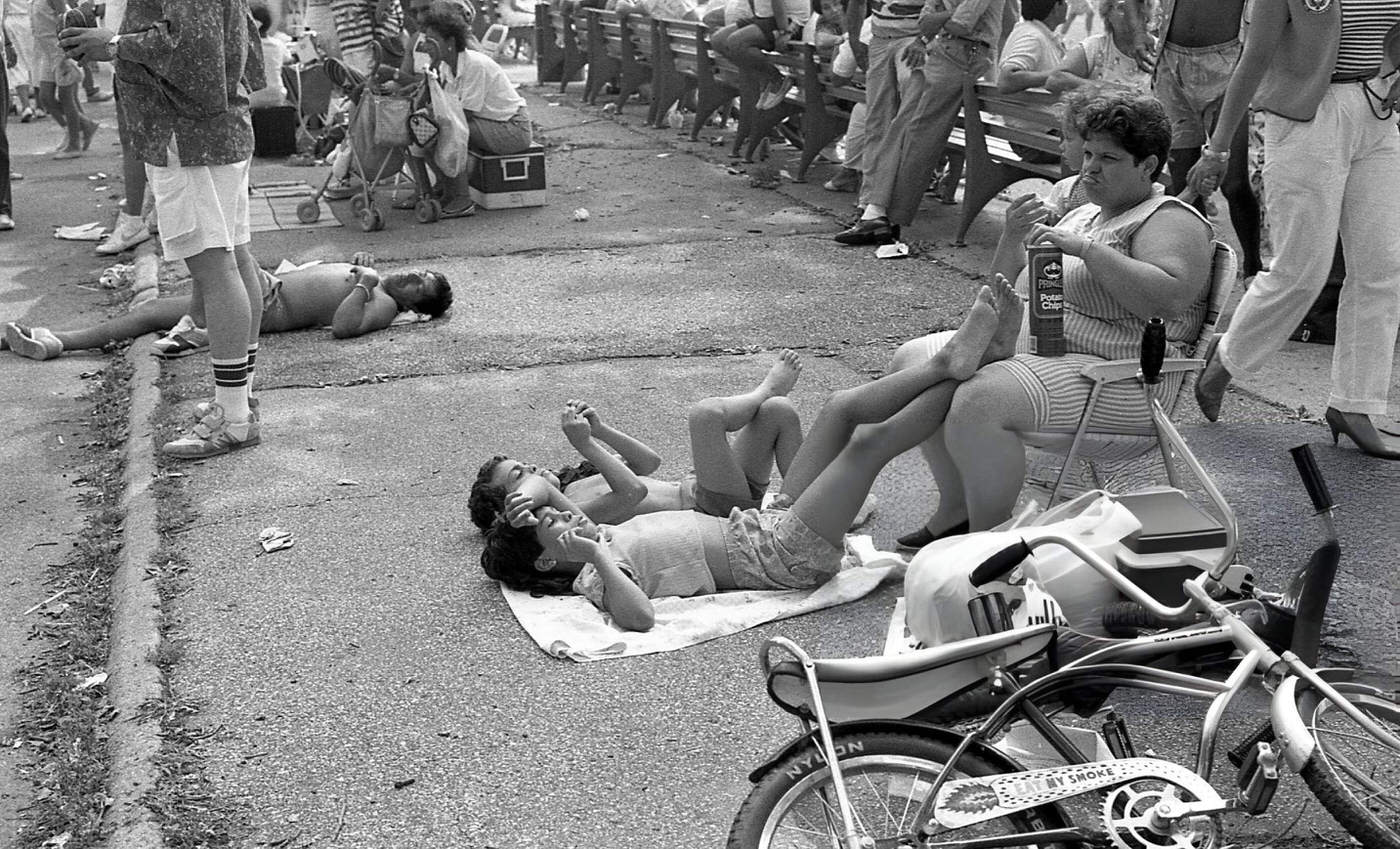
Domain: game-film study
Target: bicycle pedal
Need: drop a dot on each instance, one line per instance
(1258, 778)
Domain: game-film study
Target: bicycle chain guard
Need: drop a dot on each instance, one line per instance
(966, 801)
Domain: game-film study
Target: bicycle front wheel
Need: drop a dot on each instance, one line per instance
(1355, 776)
(888, 778)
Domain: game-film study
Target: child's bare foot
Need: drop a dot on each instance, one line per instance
(782, 376)
(1009, 311)
(962, 356)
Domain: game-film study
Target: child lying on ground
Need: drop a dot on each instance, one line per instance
(797, 543)
(729, 471)
(351, 298)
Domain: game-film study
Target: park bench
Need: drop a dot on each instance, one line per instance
(558, 55)
(620, 48)
(986, 141)
(819, 101)
(684, 63)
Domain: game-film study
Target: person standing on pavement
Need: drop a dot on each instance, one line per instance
(953, 42)
(1200, 46)
(184, 69)
(1332, 166)
(7, 221)
(130, 228)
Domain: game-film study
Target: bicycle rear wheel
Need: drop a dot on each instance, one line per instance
(1355, 776)
(888, 777)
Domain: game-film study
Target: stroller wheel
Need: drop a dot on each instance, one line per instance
(308, 211)
(358, 204)
(371, 220)
(428, 210)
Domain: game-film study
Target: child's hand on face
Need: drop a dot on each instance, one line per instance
(575, 427)
(578, 547)
(519, 509)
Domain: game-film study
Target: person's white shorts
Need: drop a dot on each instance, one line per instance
(200, 207)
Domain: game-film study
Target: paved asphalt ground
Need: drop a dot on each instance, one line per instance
(373, 653)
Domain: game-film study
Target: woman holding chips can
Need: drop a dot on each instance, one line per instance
(1128, 255)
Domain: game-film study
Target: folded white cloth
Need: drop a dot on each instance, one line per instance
(571, 627)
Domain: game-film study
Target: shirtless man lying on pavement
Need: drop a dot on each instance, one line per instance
(350, 297)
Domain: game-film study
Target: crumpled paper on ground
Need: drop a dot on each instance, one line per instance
(275, 539)
(90, 232)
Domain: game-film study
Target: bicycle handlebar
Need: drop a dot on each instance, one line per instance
(1000, 563)
(1312, 478)
(1154, 350)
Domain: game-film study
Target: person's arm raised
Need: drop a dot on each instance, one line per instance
(625, 491)
(638, 456)
(1024, 213)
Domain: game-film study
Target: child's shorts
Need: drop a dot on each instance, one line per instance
(200, 207)
(774, 549)
(693, 496)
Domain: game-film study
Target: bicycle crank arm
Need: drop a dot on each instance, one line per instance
(1069, 836)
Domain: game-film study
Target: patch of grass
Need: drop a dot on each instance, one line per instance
(185, 803)
(63, 722)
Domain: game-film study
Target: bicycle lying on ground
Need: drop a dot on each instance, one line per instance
(884, 775)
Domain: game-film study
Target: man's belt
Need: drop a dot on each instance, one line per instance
(1355, 76)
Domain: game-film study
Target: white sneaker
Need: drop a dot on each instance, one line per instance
(183, 339)
(130, 231)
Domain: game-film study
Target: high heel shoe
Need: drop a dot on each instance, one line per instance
(1362, 431)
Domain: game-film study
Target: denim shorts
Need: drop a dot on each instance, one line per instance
(774, 549)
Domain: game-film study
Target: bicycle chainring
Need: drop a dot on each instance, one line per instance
(1128, 813)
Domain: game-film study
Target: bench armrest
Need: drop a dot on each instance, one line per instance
(1117, 370)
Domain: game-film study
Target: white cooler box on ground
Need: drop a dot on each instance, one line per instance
(507, 182)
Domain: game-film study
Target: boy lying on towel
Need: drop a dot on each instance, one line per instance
(612, 488)
(543, 544)
(351, 298)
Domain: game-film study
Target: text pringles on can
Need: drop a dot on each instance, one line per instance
(1047, 290)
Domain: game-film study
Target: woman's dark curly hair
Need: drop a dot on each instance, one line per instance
(487, 501)
(510, 555)
(1136, 122)
(451, 19)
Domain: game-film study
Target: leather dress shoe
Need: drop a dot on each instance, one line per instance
(876, 231)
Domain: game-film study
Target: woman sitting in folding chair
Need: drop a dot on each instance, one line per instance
(1130, 254)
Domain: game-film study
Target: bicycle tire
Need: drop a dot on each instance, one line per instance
(800, 778)
(1331, 770)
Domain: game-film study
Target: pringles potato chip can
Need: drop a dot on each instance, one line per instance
(1047, 294)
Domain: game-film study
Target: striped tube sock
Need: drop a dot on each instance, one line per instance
(252, 360)
(231, 387)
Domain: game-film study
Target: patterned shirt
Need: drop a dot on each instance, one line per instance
(184, 69)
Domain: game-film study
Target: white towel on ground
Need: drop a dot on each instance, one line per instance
(571, 627)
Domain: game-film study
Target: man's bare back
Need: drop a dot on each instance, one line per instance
(1204, 23)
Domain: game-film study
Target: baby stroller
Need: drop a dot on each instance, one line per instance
(385, 125)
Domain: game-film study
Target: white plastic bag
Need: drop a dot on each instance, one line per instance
(1051, 585)
(452, 141)
(1080, 590)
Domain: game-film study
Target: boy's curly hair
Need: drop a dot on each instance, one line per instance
(486, 501)
(509, 557)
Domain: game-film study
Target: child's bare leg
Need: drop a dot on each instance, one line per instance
(72, 117)
(774, 435)
(830, 503)
(880, 399)
(151, 317)
(711, 420)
